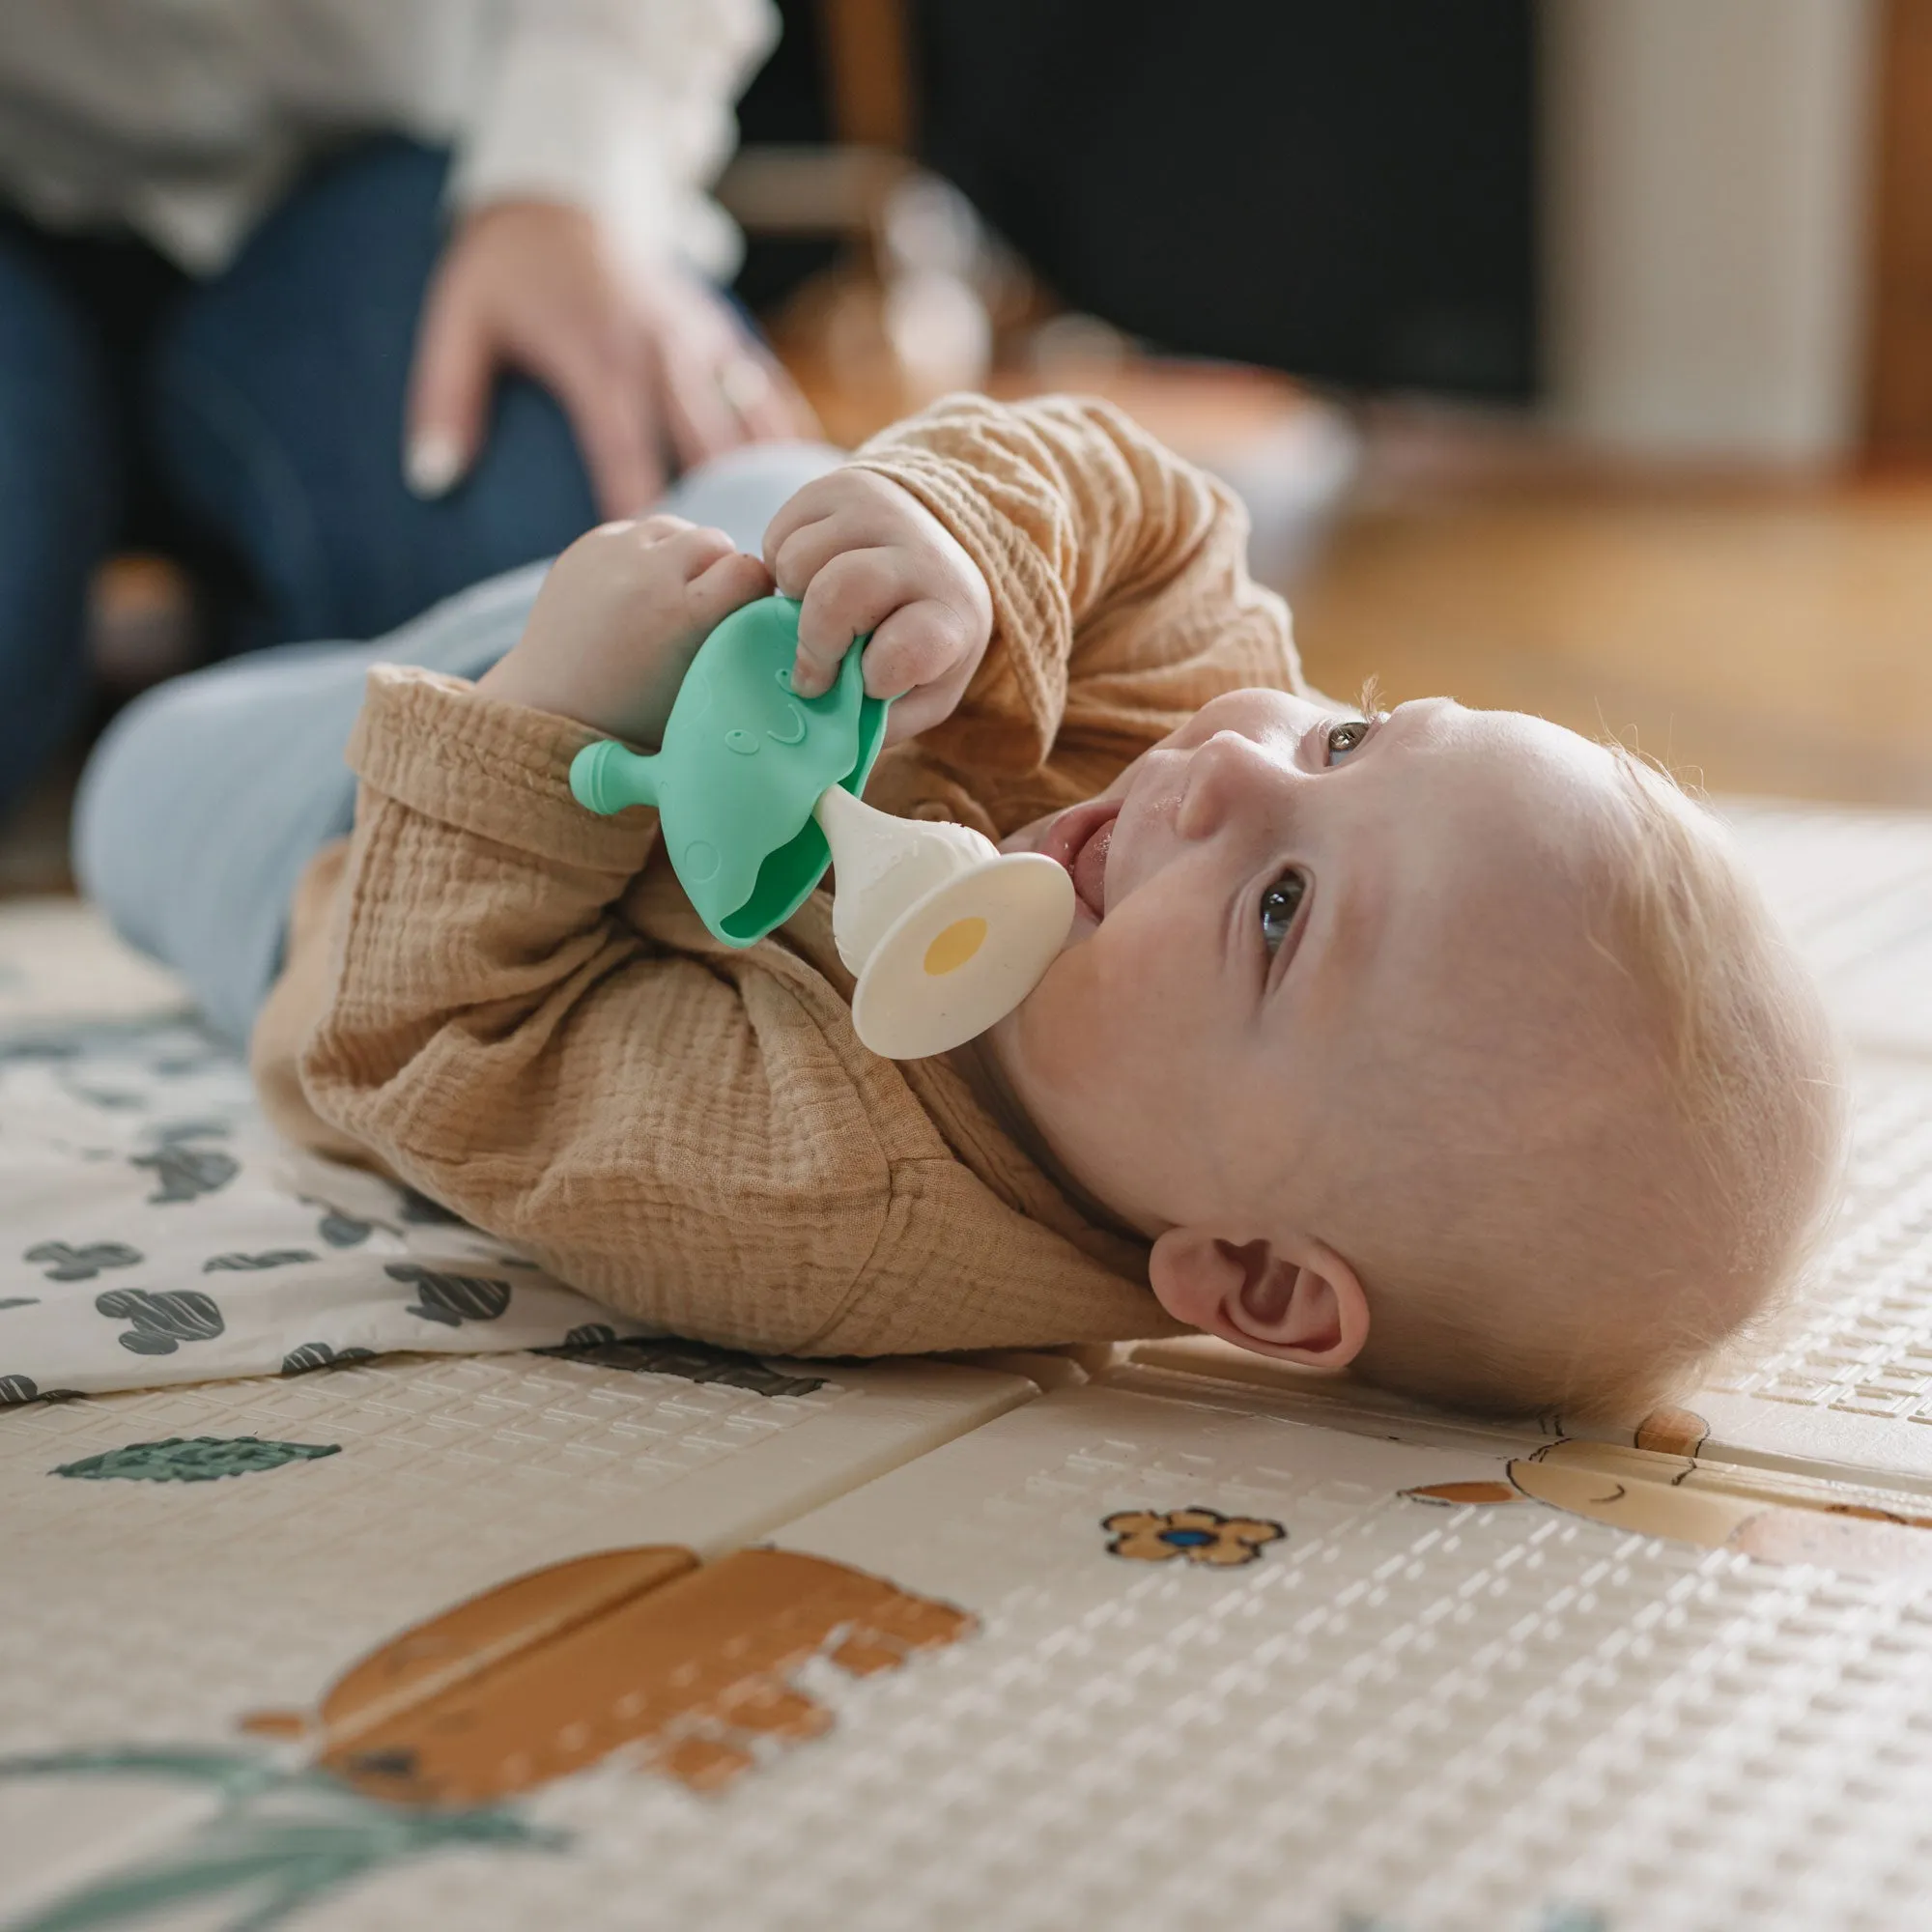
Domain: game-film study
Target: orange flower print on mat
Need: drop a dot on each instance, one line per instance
(1200, 1535)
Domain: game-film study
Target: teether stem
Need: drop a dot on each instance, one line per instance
(606, 777)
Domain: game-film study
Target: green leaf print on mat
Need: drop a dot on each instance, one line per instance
(192, 1458)
(280, 1842)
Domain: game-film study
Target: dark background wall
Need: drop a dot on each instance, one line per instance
(1342, 190)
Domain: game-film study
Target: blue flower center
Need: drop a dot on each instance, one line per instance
(1187, 1539)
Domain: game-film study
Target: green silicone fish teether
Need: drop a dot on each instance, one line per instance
(758, 790)
(745, 761)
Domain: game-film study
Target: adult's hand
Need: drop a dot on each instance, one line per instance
(643, 364)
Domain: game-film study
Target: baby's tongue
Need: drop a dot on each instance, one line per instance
(1090, 870)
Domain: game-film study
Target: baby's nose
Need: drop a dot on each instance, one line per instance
(1227, 774)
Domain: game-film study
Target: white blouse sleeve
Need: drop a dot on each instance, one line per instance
(623, 107)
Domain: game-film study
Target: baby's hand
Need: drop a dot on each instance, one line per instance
(865, 555)
(618, 620)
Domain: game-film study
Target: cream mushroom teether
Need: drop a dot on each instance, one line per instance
(946, 932)
(756, 791)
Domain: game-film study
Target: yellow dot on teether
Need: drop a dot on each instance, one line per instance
(956, 944)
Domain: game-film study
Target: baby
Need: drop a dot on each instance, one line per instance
(1440, 1043)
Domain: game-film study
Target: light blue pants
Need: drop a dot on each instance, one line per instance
(207, 796)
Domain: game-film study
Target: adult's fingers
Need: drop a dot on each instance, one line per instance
(768, 402)
(610, 409)
(448, 392)
(702, 423)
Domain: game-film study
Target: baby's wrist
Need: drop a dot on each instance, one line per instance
(514, 680)
(536, 685)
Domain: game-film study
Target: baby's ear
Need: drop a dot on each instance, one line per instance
(1298, 1301)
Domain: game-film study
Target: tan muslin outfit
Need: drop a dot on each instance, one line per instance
(508, 1003)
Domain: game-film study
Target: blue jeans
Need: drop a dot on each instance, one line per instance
(207, 796)
(265, 407)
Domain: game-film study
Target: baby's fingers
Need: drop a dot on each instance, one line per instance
(918, 645)
(929, 704)
(856, 592)
(816, 502)
(728, 584)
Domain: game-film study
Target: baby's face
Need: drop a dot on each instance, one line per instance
(1281, 904)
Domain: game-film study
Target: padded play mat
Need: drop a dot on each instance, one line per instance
(355, 1576)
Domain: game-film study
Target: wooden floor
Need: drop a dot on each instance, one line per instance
(1764, 638)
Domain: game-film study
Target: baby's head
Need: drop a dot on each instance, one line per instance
(1443, 1042)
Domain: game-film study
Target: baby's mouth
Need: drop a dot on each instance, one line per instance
(1080, 838)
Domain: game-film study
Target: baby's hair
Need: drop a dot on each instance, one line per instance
(1749, 1054)
(1687, 901)
(1616, 1301)
(1744, 1031)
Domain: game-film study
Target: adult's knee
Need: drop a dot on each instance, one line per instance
(280, 397)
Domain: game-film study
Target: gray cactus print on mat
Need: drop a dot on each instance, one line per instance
(596, 1344)
(313, 1356)
(163, 1319)
(451, 1299)
(17, 1390)
(419, 1210)
(16, 1052)
(184, 1173)
(64, 1262)
(178, 1239)
(340, 1230)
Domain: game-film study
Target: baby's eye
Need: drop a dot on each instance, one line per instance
(1346, 738)
(1279, 904)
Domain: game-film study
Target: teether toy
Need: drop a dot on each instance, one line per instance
(757, 793)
